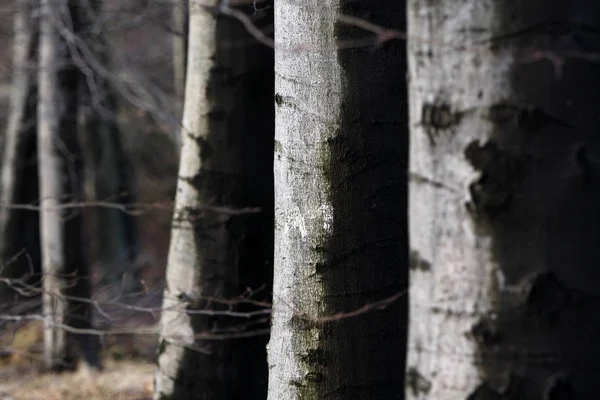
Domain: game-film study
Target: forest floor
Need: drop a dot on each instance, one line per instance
(120, 380)
(127, 374)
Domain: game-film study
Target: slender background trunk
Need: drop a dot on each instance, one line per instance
(180, 26)
(504, 215)
(226, 162)
(19, 229)
(340, 195)
(114, 244)
(60, 172)
(180, 18)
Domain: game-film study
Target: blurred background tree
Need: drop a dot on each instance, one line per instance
(128, 122)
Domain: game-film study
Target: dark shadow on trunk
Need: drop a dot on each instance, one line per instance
(366, 258)
(237, 172)
(539, 198)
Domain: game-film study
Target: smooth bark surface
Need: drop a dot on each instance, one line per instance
(504, 215)
(19, 229)
(340, 195)
(180, 23)
(226, 162)
(60, 173)
(180, 20)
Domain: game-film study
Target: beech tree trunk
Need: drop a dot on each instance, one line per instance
(180, 23)
(340, 195)
(60, 173)
(180, 45)
(216, 254)
(19, 228)
(504, 195)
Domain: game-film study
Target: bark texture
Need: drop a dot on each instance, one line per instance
(60, 173)
(340, 195)
(226, 162)
(19, 229)
(504, 217)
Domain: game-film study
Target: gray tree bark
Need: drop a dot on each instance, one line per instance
(19, 229)
(504, 194)
(340, 195)
(64, 263)
(180, 44)
(226, 162)
(180, 22)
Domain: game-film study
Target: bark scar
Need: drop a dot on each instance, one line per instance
(500, 173)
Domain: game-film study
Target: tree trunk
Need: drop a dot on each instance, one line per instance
(504, 217)
(180, 45)
(340, 195)
(114, 243)
(226, 162)
(19, 229)
(60, 172)
(180, 20)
